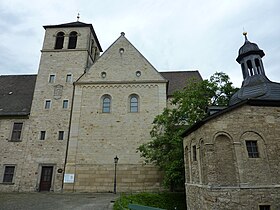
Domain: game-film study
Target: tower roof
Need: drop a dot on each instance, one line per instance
(255, 85)
(77, 24)
(248, 48)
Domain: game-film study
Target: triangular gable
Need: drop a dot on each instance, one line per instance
(122, 62)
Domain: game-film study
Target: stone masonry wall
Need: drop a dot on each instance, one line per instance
(242, 182)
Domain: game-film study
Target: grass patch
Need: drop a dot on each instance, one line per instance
(164, 200)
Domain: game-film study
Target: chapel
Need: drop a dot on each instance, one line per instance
(232, 156)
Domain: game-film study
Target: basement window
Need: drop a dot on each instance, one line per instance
(264, 207)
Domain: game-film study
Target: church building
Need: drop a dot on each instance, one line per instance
(232, 157)
(64, 128)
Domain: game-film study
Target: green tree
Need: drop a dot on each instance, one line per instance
(165, 148)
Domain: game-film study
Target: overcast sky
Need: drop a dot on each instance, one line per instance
(202, 35)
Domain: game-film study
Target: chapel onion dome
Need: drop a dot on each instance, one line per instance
(248, 48)
(255, 84)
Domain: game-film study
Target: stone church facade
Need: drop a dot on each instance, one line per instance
(62, 128)
(232, 156)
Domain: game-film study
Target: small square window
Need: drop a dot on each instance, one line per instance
(16, 133)
(69, 78)
(252, 148)
(194, 153)
(42, 135)
(65, 104)
(60, 135)
(52, 78)
(47, 104)
(8, 174)
(264, 207)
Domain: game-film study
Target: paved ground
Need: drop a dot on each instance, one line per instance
(57, 201)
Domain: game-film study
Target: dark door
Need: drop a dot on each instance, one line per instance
(46, 178)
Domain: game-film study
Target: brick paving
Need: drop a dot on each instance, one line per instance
(57, 201)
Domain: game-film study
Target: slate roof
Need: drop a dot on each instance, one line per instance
(257, 87)
(16, 91)
(178, 79)
(77, 24)
(16, 94)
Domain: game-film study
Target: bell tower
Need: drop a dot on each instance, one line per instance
(68, 52)
(250, 58)
(255, 83)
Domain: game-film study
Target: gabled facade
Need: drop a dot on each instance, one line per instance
(83, 110)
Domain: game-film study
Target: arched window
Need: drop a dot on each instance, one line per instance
(257, 63)
(106, 104)
(72, 40)
(59, 40)
(250, 66)
(134, 105)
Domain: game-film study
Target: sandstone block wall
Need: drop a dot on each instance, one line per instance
(223, 161)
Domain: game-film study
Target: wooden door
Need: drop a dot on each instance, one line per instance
(46, 178)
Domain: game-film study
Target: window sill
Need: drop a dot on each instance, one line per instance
(7, 183)
(16, 141)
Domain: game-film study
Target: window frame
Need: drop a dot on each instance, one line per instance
(49, 102)
(60, 135)
(42, 136)
(5, 174)
(59, 40)
(52, 78)
(194, 153)
(14, 132)
(73, 40)
(106, 105)
(68, 78)
(252, 148)
(264, 207)
(132, 103)
(65, 101)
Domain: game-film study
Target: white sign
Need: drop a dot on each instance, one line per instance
(69, 178)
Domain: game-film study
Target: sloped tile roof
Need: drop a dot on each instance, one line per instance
(16, 94)
(179, 79)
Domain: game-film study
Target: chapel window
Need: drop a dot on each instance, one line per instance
(59, 40)
(264, 207)
(16, 133)
(106, 104)
(8, 174)
(252, 149)
(194, 153)
(134, 105)
(72, 40)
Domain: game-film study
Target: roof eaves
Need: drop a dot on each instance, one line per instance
(251, 102)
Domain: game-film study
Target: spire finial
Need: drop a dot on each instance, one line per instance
(245, 34)
(78, 17)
